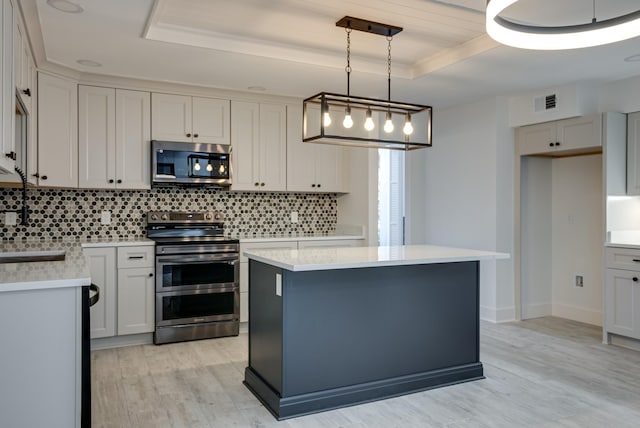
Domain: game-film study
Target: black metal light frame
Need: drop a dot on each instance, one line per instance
(419, 115)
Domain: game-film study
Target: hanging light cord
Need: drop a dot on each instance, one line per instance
(348, 67)
(389, 38)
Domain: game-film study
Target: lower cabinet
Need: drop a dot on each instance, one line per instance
(622, 292)
(125, 276)
(291, 245)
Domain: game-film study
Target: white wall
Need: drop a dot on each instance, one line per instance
(468, 187)
(577, 238)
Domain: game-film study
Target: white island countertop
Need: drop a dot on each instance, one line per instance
(310, 259)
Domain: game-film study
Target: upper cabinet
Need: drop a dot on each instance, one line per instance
(312, 167)
(114, 133)
(23, 68)
(190, 119)
(259, 141)
(7, 88)
(57, 131)
(561, 137)
(633, 154)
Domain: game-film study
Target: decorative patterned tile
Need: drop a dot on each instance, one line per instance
(75, 214)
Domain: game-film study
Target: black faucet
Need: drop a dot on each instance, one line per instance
(24, 211)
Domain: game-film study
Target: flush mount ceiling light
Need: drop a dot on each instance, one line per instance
(594, 33)
(65, 6)
(405, 126)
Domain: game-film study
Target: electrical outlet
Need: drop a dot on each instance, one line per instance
(10, 218)
(579, 281)
(105, 217)
(294, 216)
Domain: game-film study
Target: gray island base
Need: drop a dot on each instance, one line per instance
(324, 339)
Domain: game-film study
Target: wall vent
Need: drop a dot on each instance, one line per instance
(545, 103)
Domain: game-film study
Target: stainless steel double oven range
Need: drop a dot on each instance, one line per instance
(197, 282)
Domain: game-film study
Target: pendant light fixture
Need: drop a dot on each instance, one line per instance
(594, 33)
(367, 122)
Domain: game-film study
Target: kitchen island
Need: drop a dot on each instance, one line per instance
(334, 327)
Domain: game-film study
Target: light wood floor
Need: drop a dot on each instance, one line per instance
(546, 372)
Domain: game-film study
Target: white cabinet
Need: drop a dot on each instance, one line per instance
(57, 131)
(136, 310)
(41, 370)
(126, 280)
(7, 88)
(312, 167)
(190, 119)
(633, 154)
(560, 137)
(114, 138)
(622, 292)
(102, 267)
(259, 141)
(23, 66)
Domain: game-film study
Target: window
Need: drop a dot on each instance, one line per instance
(390, 197)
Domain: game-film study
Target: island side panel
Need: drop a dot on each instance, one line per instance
(353, 326)
(265, 328)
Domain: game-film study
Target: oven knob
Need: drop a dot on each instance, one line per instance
(154, 217)
(164, 217)
(218, 216)
(208, 216)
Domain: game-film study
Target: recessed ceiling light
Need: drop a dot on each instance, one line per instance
(257, 88)
(633, 58)
(89, 63)
(65, 6)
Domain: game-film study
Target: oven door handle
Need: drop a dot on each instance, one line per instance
(172, 260)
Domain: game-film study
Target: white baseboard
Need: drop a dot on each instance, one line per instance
(575, 313)
(536, 311)
(120, 341)
(497, 315)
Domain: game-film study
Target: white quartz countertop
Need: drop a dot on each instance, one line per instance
(310, 259)
(73, 271)
(246, 239)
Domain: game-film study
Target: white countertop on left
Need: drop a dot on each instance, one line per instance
(73, 271)
(310, 259)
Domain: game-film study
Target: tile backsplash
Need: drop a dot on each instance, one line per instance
(75, 214)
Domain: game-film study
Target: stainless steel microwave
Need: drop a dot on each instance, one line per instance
(190, 164)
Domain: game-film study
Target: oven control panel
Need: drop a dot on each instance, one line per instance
(184, 217)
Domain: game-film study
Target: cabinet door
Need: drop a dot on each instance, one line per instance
(633, 154)
(245, 124)
(622, 302)
(57, 131)
(171, 117)
(133, 139)
(211, 122)
(330, 168)
(273, 147)
(32, 133)
(102, 267)
(17, 55)
(301, 157)
(580, 133)
(536, 138)
(7, 133)
(136, 310)
(96, 137)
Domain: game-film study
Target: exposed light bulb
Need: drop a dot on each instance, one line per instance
(408, 127)
(326, 119)
(388, 124)
(368, 123)
(348, 121)
(221, 169)
(196, 166)
(209, 166)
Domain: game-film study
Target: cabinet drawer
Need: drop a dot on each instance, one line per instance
(623, 258)
(135, 257)
(292, 245)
